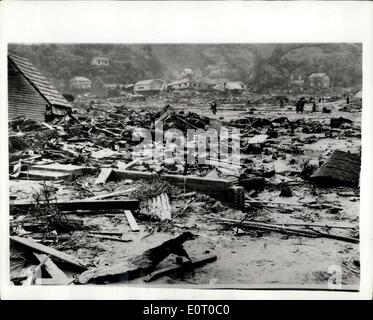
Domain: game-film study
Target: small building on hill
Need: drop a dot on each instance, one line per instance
(100, 61)
(319, 80)
(296, 80)
(150, 86)
(80, 83)
(181, 84)
(30, 94)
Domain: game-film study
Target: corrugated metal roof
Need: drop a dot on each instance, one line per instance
(38, 81)
(342, 168)
(145, 82)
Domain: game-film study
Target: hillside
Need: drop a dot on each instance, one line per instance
(261, 66)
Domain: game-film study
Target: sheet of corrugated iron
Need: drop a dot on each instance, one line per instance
(23, 99)
(342, 168)
(37, 79)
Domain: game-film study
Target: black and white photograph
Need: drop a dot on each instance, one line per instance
(223, 165)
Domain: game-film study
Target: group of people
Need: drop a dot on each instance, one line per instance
(299, 105)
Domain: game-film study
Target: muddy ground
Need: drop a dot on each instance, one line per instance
(253, 258)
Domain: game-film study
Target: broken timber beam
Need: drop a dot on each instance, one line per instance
(184, 266)
(104, 175)
(34, 246)
(103, 237)
(131, 220)
(214, 187)
(84, 205)
(56, 273)
(113, 194)
(54, 282)
(34, 273)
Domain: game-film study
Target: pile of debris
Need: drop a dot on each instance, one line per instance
(103, 152)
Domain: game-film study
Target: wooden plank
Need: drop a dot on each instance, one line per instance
(73, 205)
(131, 220)
(108, 233)
(112, 194)
(34, 246)
(50, 266)
(104, 175)
(34, 273)
(54, 282)
(258, 139)
(201, 184)
(29, 276)
(126, 166)
(167, 270)
(108, 238)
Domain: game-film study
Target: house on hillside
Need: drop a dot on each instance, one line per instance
(100, 61)
(80, 83)
(235, 87)
(150, 86)
(186, 73)
(319, 80)
(30, 94)
(296, 80)
(181, 84)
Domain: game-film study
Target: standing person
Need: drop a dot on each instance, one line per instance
(281, 103)
(300, 105)
(297, 104)
(214, 107)
(314, 106)
(348, 99)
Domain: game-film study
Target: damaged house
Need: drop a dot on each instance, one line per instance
(30, 94)
(319, 80)
(234, 87)
(181, 84)
(151, 86)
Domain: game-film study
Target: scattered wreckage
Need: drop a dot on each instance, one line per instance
(63, 234)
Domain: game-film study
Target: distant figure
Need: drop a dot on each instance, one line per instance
(299, 106)
(214, 107)
(348, 100)
(320, 100)
(314, 106)
(281, 103)
(248, 103)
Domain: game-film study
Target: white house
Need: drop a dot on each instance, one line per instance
(100, 61)
(80, 83)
